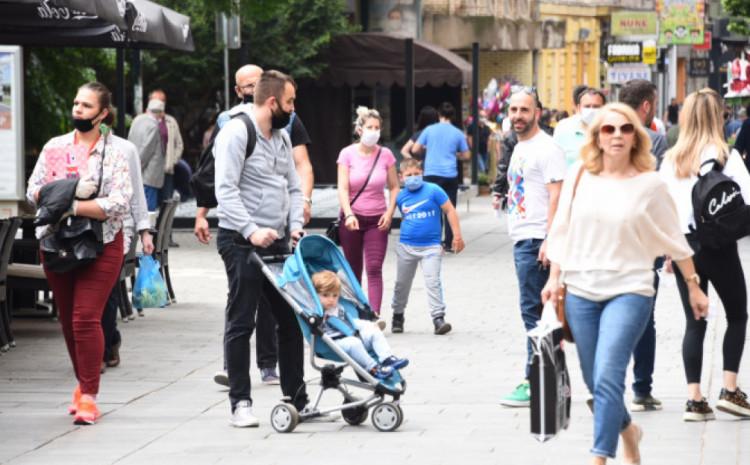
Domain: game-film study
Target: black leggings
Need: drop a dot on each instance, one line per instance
(723, 269)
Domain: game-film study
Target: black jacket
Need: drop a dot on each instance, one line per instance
(55, 199)
(501, 180)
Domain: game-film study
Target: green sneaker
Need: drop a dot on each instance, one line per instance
(520, 397)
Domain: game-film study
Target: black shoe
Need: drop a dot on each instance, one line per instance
(698, 410)
(397, 323)
(441, 327)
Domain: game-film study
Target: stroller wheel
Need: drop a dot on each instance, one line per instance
(354, 415)
(284, 418)
(387, 416)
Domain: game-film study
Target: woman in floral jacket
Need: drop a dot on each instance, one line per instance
(81, 294)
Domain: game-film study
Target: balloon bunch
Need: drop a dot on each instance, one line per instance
(494, 98)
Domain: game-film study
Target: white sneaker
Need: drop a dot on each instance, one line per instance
(221, 378)
(243, 416)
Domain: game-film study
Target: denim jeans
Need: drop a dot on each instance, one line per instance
(247, 285)
(152, 198)
(644, 354)
(605, 334)
(531, 280)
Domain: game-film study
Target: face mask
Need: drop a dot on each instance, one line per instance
(248, 98)
(370, 137)
(84, 125)
(588, 115)
(413, 183)
(281, 119)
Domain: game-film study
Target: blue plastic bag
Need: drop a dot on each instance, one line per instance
(149, 290)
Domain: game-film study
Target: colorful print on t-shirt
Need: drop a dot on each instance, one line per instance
(516, 190)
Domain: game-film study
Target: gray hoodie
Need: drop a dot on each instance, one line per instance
(262, 192)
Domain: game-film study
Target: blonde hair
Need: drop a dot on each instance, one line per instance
(326, 281)
(701, 125)
(640, 154)
(407, 163)
(363, 114)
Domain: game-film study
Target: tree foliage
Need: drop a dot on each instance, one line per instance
(739, 11)
(283, 34)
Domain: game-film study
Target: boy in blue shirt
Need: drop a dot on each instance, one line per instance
(421, 204)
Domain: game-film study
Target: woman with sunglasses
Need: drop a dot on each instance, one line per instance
(80, 294)
(615, 217)
(701, 139)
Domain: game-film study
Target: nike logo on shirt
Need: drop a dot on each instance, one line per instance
(408, 208)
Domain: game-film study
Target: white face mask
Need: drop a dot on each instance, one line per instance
(370, 137)
(588, 115)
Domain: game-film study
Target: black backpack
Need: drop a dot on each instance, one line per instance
(721, 216)
(202, 181)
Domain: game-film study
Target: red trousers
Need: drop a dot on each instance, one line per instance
(80, 296)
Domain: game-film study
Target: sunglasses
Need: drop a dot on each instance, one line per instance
(625, 129)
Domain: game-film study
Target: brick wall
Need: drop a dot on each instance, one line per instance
(519, 65)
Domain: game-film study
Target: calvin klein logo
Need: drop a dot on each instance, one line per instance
(715, 205)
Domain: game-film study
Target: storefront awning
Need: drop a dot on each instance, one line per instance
(372, 59)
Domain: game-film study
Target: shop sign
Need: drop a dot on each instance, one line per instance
(649, 52)
(680, 21)
(624, 53)
(633, 23)
(11, 124)
(700, 67)
(620, 74)
(706, 45)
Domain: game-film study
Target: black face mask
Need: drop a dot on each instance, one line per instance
(280, 119)
(84, 125)
(250, 98)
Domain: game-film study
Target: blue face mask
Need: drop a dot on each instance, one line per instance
(413, 182)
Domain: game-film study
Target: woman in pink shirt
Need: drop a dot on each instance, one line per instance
(366, 217)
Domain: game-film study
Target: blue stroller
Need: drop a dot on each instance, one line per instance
(292, 278)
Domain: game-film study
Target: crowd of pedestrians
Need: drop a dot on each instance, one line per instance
(595, 206)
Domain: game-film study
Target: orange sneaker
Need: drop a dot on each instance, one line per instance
(87, 412)
(76, 398)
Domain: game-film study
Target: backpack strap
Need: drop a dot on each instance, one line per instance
(716, 165)
(252, 137)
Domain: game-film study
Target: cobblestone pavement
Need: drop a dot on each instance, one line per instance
(161, 405)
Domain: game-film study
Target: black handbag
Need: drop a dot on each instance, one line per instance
(75, 241)
(332, 232)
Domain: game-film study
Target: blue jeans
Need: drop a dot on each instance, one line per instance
(152, 198)
(531, 280)
(644, 354)
(606, 333)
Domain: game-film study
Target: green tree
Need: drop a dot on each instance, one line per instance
(288, 35)
(52, 77)
(739, 11)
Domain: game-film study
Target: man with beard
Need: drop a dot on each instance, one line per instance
(259, 208)
(535, 175)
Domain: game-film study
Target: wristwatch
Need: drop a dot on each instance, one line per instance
(694, 277)
(308, 200)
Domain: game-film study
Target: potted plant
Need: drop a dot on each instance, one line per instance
(483, 183)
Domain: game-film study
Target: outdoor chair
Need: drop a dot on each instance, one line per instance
(7, 237)
(126, 272)
(161, 242)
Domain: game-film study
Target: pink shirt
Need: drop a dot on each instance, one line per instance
(372, 200)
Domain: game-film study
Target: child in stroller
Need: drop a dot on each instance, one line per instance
(355, 337)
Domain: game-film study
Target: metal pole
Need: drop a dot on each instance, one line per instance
(137, 82)
(409, 84)
(120, 92)
(226, 77)
(474, 111)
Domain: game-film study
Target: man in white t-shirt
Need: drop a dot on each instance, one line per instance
(535, 175)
